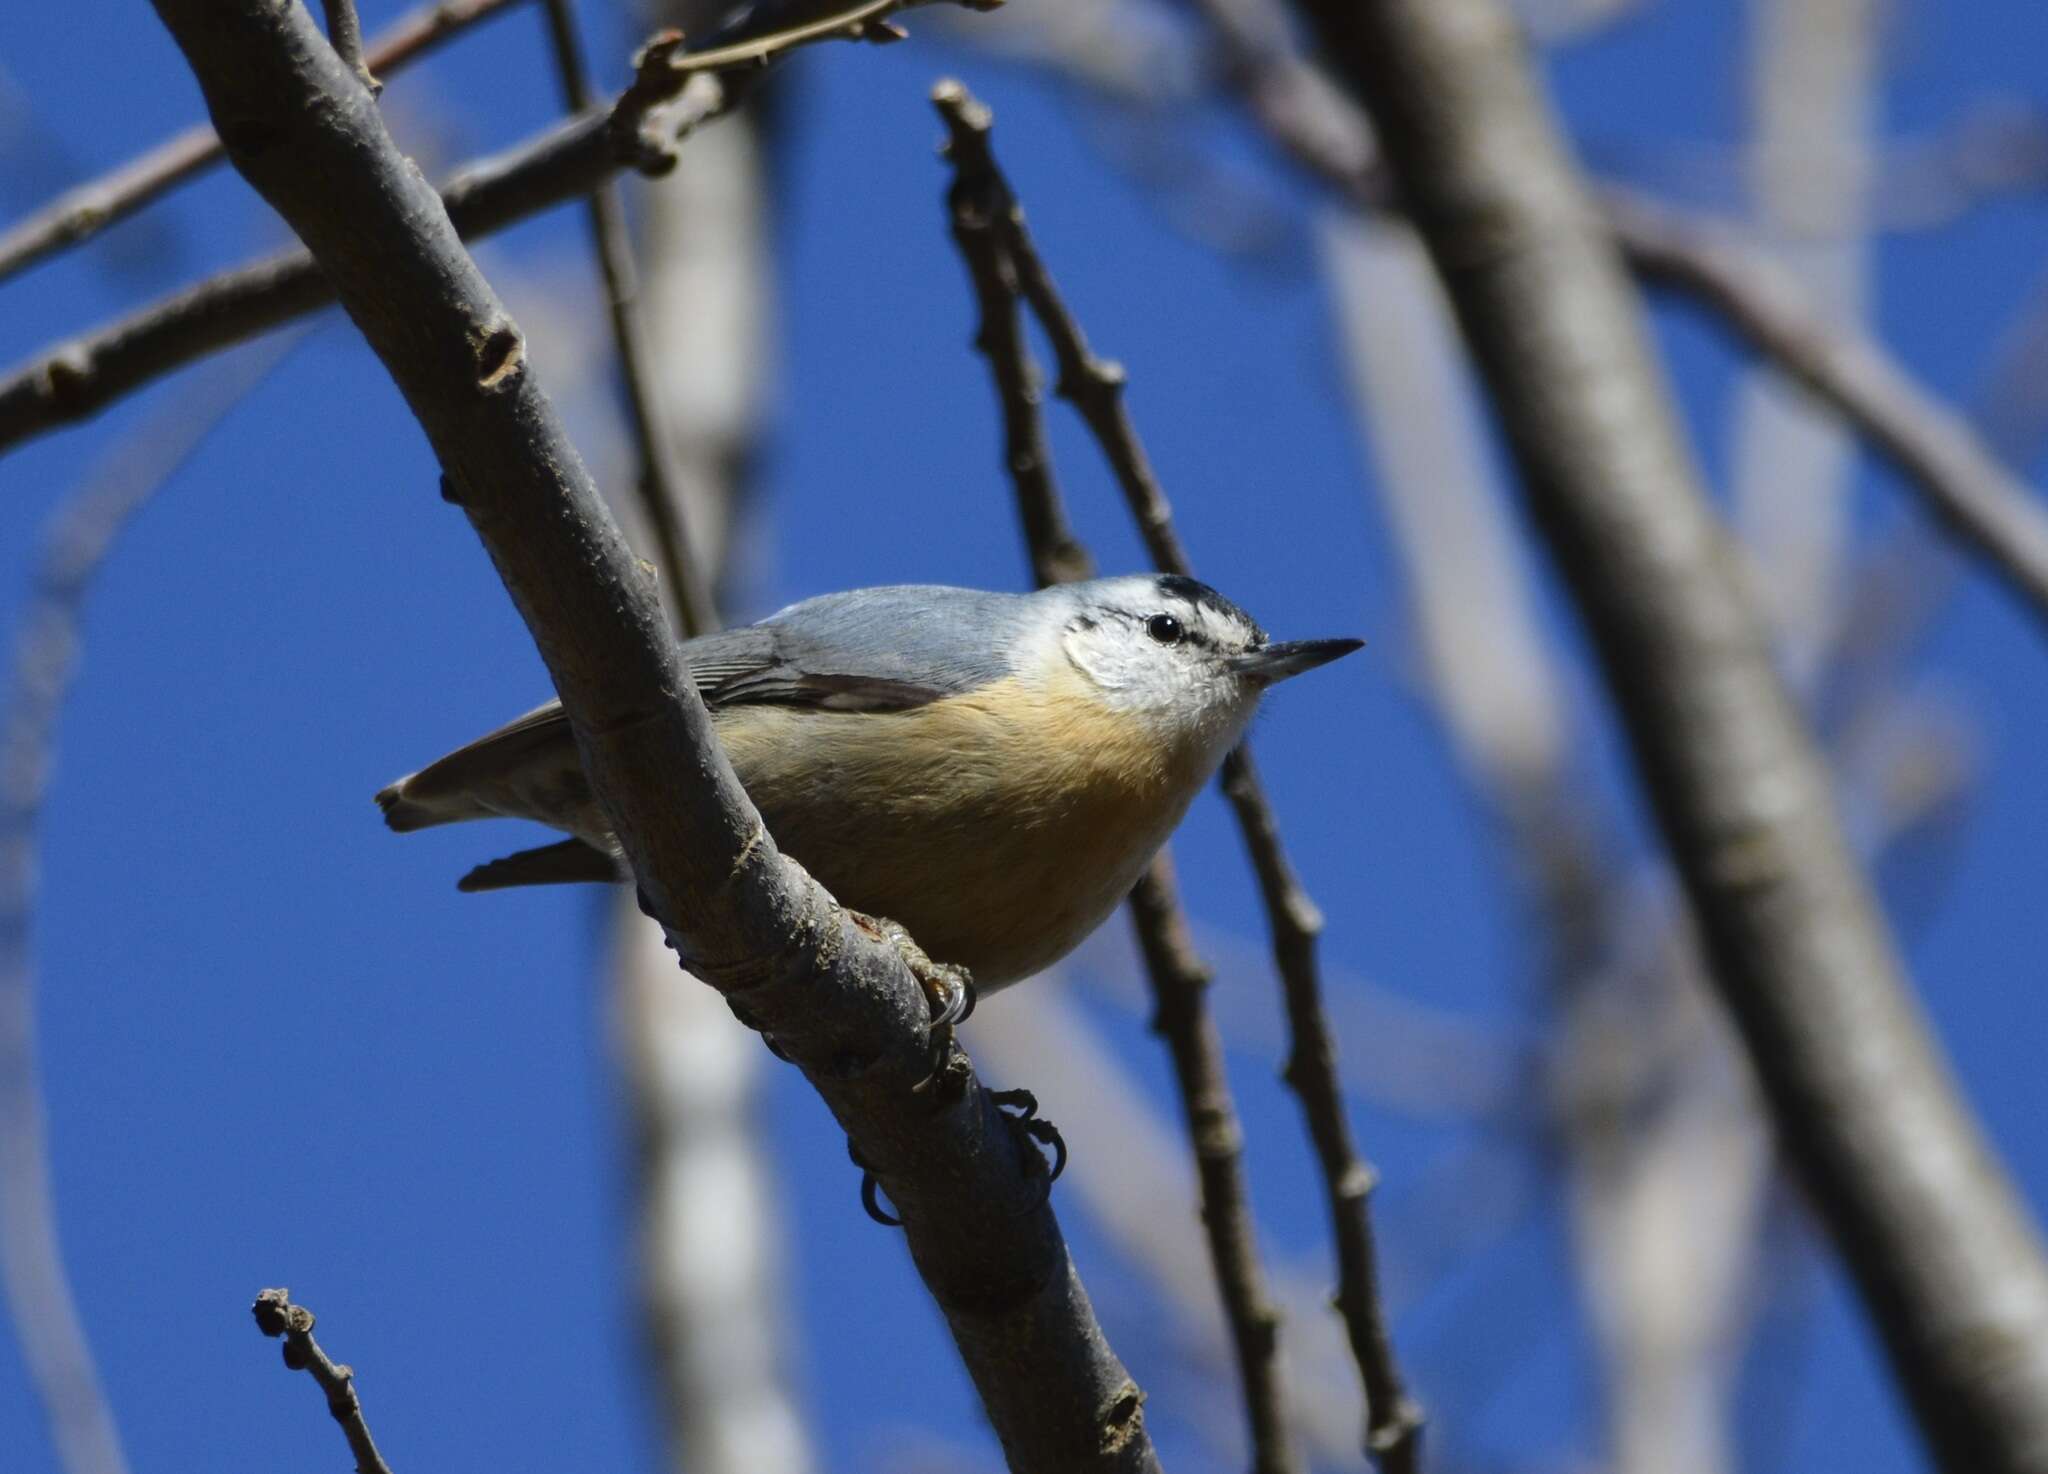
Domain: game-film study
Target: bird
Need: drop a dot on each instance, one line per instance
(990, 772)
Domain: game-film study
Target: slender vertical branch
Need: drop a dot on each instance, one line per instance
(659, 480)
(1946, 1259)
(978, 202)
(1095, 388)
(1181, 1016)
(276, 1316)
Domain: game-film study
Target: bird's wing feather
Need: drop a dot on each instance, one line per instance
(886, 649)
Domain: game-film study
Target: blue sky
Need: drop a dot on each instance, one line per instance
(280, 1048)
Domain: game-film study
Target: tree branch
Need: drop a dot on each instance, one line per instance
(840, 1000)
(78, 379)
(1940, 1248)
(659, 480)
(277, 1316)
(77, 215)
(1095, 388)
(1711, 265)
(977, 203)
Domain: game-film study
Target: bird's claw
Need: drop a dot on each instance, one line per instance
(949, 995)
(1037, 1131)
(871, 1189)
(1026, 1122)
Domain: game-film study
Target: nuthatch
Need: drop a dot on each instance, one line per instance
(991, 771)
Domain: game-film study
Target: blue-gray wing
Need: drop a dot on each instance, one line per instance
(865, 650)
(884, 649)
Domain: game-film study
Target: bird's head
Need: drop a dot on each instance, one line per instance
(1178, 656)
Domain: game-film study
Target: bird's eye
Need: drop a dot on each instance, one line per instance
(1165, 629)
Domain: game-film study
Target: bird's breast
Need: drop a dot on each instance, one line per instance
(1000, 826)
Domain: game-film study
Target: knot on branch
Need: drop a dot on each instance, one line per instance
(500, 356)
(1123, 1420)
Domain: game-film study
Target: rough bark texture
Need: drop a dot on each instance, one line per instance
(1941, 1250)
(840, 1000)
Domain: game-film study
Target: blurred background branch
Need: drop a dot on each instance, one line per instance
(81, 533)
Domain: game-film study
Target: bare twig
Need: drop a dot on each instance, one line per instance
(978, 202)
(1940, 1247)
(1095, 388)
(1933, 447)
(659, 480)
(81, 532)
(78, 379)
(973, 201)
(840, 1000)
(1181, 1016)
(277, 1316)
(345, 34)
(82, 213)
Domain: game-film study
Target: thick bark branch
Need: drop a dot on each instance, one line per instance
(839, 999)
(1939, 1246)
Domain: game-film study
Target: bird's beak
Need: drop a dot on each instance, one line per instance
(1270, 663)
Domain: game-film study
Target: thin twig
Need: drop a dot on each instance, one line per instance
(973, 200)
(977, 202)
(659, 482)
(1312, 122)
(1095, 388)
(277, 1316)
(80, 534)
(840, 1000)
(1181, 1016)
(345, 34)
(79, 214)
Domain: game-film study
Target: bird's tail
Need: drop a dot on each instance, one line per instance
(404, 813)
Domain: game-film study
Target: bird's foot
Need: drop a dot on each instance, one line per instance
(949, 995)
